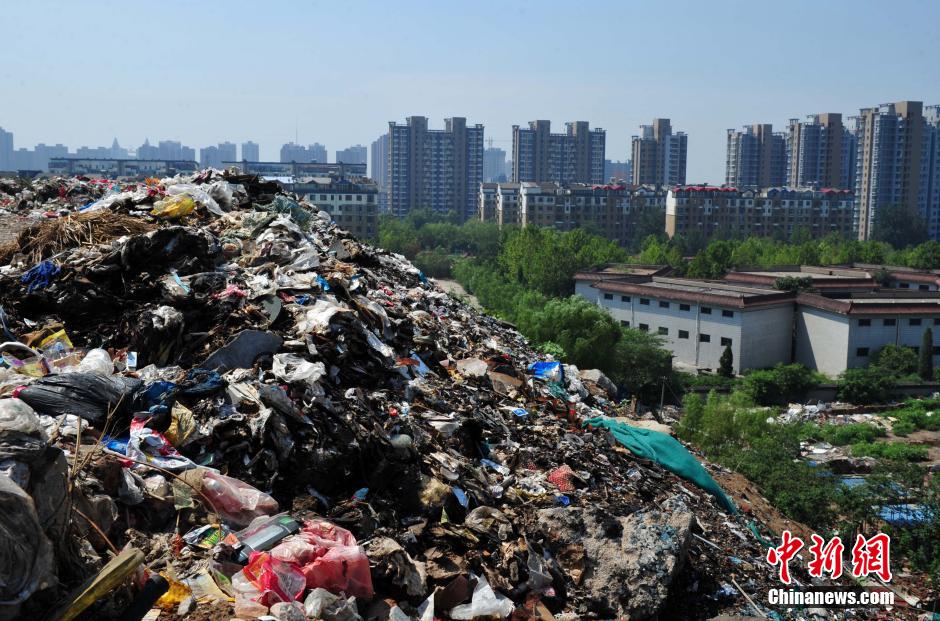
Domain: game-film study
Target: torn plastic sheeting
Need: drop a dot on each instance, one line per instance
(242, 351)
(667, 452)
(151, 447)
(26, 564)
(198, 194)
(317, 318)
(551, 371)
(275, 580)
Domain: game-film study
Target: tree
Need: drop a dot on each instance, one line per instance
(900, 226)
(726, 363)
(925, 368)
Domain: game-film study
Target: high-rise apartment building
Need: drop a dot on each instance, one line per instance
(147, 151)
(209, 157)
(356, 154)
(170, 150)
(318, 153)
(6, 150)
(439, 170)
(251, 152)
(494, 165)
(756, 157)
(378, 170)
(889, 161)
(228, 152)
(930, 182)
(659, 156)
(577, 156)
(820, 152)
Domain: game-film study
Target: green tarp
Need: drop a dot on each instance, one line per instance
(666, 451)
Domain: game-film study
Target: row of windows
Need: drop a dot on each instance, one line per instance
(907, 285)
(705, 310)
(682, 334)
(865, 351)
(891, 321)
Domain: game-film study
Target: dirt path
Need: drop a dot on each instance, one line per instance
(455, 288)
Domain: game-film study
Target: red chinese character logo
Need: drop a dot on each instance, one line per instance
(872, 556)
(789, 546)
(826, 558)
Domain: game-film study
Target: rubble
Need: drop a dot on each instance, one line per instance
(285, 421)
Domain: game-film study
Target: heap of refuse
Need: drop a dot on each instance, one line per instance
(214, 403)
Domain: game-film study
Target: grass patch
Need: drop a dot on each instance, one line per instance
(895, 451)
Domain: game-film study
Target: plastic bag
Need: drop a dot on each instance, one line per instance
(96, 361)
(198, 194)
(236, 502)
(329, 558)
(275, 580)
(173, 207)
(291, 368)
(88, 395)
(321, 604)
(485, 603)
(15, 415)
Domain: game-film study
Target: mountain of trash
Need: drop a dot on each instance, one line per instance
(215, 404)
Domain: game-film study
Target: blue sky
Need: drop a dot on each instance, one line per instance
(336, 72)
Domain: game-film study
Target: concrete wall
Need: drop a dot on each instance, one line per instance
(767, 337)
(822, 339)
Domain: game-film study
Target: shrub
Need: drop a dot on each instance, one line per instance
(782, 383)
(869, 385)
(841, 435)
(895, 359)
(896, 451)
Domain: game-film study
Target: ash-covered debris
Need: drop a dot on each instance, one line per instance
(217, 404)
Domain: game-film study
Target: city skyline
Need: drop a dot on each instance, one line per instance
(704, 84)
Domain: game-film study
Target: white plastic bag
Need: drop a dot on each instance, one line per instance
(16, 415)
(484, 603)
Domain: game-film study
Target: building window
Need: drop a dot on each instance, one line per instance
(706, 310)
(684, 307)
(864, 323)
(914, 322)
(923, 287)
(663, 330)
(625, 298)
(861, 352)
(608, 296)
(625, 323)
(890, 322)
(904, 285)
(663, 304)
(936, 321)
(725, 341)
(704, 338)
(644, 327)
(683, 334)
(727, 313)
(644, 301)
(936, 350)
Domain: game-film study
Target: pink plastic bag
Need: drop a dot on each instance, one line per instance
(329, 558)
(237, 502)
(276, 580)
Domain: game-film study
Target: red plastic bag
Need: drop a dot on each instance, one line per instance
(329, 558)
(276, 580)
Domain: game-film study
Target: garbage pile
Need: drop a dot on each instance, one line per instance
(216, 404)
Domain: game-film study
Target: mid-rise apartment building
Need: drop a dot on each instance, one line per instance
(576, 156)
(356, 154)
(351, 202)
(820, 152)
(608, 210)
(659, 156)
(774, 212)
(118, 168)
(6, 150)
(440, 170)
(756, 157)
(292, 152)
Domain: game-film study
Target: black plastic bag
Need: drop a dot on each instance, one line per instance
(88, 395)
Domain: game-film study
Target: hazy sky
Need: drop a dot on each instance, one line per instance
(336, 72)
